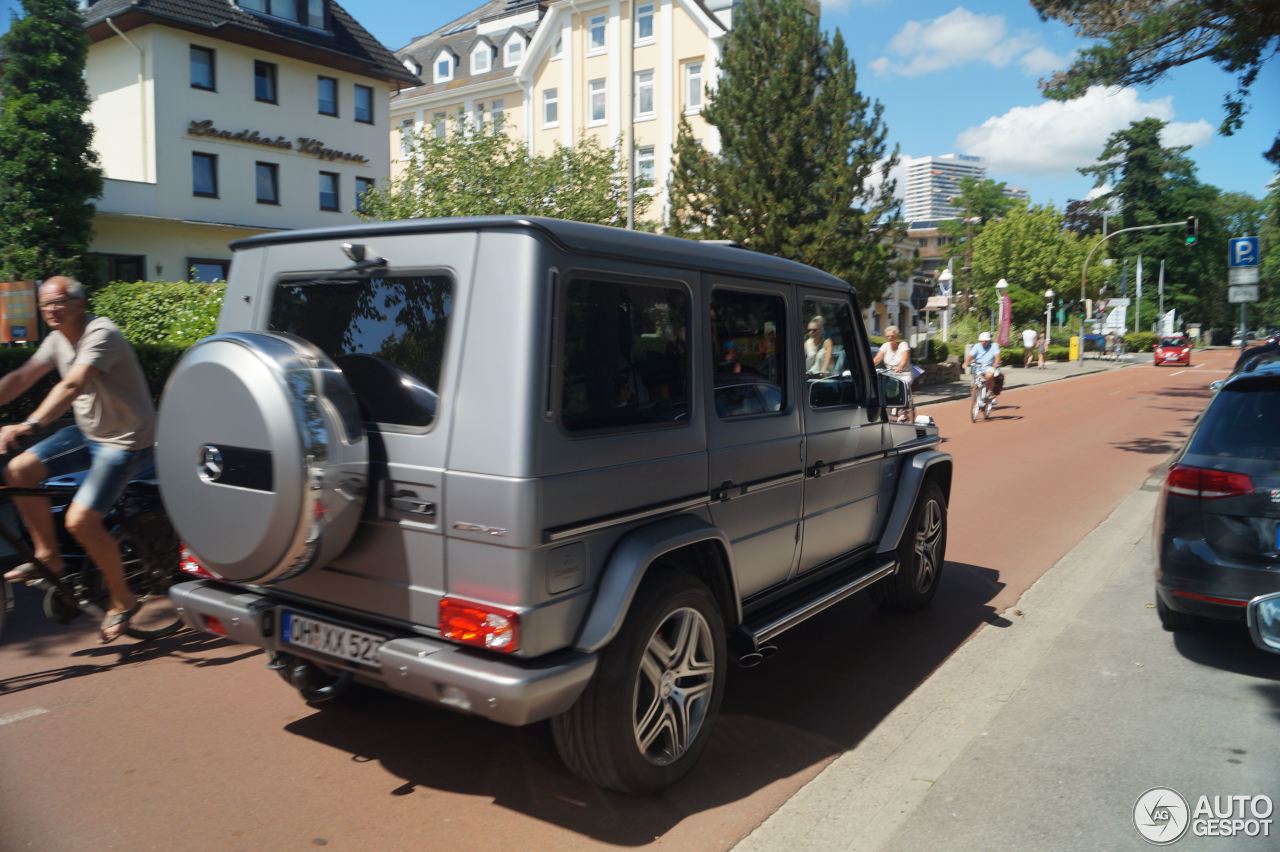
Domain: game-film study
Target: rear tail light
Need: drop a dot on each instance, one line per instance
(214, 625)
(189, 563)
(479, 624)
(1206, 484)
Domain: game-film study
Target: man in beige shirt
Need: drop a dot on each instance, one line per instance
(103, 383)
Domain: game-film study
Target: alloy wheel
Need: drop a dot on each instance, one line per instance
(928, 540)
(674, 686)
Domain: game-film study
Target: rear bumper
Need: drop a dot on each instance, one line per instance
(1192, 578)
(509, 691)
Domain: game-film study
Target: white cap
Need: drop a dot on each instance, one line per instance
(984, 337)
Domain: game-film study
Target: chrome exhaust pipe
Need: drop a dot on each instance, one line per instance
(753, 658)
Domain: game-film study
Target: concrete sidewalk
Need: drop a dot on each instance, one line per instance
(1044, 729)
(1018, 376)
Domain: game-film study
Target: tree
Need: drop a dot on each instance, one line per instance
(799, 148)
(491, 174)
(1143, 40)
(49, 175)
(1033, 252)
(980, 201)
(1269, 275)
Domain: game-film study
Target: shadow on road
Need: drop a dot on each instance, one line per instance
(1226, 645)
(1271, 692)
(834, 679)
(1153, 446)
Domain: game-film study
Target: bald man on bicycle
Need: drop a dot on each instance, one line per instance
(115, 423)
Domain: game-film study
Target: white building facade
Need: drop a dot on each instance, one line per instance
(932, 183)
(220, 119)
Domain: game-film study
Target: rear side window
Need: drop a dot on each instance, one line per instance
(386, 334)
(747, 335)
(626, 356)
(1241, 422)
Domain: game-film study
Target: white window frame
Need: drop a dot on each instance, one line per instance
(550, 97)
(440, 125)
(557, 49)
(436, 76)
(640, 16)
(597, 24)
(640, 85)
(647, 152)
(481, 50)
(599, 87)
(498, 114)
(692, 94)
(407, 129)
(518, 43)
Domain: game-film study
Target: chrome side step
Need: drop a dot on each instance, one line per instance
(782, 622)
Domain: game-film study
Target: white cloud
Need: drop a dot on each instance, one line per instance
(1098, 192)
(897, 173)
(961, 37)
(1042, 60)
(1057, 137)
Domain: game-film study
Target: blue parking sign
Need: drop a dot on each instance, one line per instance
(1242, 251)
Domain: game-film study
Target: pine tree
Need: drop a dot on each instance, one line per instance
(49, 175)
(802, 170)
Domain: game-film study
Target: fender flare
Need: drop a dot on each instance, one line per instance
(914, 473)
(628, 565)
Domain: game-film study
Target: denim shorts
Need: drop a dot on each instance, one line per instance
(110, 468)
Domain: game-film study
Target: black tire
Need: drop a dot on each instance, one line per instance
(149, 550)
(1174, 621)
(921, 555)
(598, 738)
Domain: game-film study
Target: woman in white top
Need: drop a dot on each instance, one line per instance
(894, 353)
(817, 350)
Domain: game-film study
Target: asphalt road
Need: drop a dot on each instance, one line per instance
(191, 743)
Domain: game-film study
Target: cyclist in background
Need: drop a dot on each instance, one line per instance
(984, 359)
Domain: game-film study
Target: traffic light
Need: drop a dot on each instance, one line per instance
(1193, 230)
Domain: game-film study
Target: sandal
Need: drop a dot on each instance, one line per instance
(117, 619)
(25, 572)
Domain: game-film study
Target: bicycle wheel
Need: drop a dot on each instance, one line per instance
(149, 550)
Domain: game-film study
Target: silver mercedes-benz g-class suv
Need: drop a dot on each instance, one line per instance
(533, 469)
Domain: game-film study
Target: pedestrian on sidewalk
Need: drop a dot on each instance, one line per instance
(1042, 345)
(1029, 336)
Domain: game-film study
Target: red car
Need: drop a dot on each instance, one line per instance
(1173, 349)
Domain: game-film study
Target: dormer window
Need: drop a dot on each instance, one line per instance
(514, 52)
(413, 67)
(481, 59)
(442, 68)
(308, 13)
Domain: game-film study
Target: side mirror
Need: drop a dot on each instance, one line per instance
(1216, 385)
(893, 392)
(825, 392)
(1264, 622)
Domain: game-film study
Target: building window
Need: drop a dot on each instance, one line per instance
(438, 125)
(264, 82)
(595, 97)
(443, 67)
(363, 185)
(406, 137)
(206, 271)
(315, 14)
(498, 109)
(644, 94)
(327, 96)
(204, 175)
(481, 59)
(203, 72)
(693, 86)
(364, 104)
(515, 52)
(479, 118)
(558, 50)
(329, 191)
(596, 40)
(309, 13)
(550, 108)
(116, 267)
(645, 175)
(268, 182)
(644, 22)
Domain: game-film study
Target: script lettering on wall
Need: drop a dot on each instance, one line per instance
(305, 145)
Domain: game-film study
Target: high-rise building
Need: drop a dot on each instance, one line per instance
(933, 181)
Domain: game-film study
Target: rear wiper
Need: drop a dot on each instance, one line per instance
(360, 266)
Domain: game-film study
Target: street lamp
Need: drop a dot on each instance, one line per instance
(1048, 316)
(1001, 286)
(945, 279)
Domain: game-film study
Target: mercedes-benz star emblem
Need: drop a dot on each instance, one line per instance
(210, 463)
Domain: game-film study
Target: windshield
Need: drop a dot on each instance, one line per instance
(1172, 341)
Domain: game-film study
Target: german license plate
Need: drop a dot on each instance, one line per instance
(342, 643)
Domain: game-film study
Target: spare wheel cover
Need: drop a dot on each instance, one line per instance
(261, 455)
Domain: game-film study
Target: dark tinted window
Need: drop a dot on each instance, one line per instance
(830, 361)
(747, 337)
(364, 104)
(264, 82)
(626, 356)
(207, 270)
(328, 191)
(1242, 421)
(267, 180)
(327, 95)
(204, 175)
(363, 185)
(202, 69)
(386, 334)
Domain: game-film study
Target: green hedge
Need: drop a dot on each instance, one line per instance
(161, 312)
(157, 361)
(1140, 341)
(1012, 355)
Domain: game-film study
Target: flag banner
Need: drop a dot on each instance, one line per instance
(1006, 319)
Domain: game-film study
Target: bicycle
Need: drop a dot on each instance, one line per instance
(983, 399)
(149, 549)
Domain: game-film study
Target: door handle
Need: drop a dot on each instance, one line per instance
(723, 492)
(412, 504)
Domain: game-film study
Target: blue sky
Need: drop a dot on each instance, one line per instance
(962, 77)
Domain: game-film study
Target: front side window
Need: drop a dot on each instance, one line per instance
(387, 335)
(644, 94)
(626, 356)
(203, 72)
(596, 33)
(364, 104)
(693, 86)
(830, 361)
(204, 175)
(267, 182)
(550, 107)
(363, 185)
(327, 96)
(645, 162)
(329, 191)
(264, 82)
(748, 336)
(596, 100)
(644, 22)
